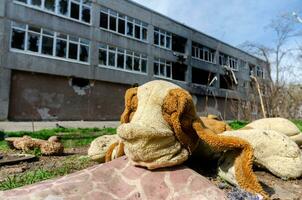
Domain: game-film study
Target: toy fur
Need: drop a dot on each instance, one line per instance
(160, 128)
(50, 147)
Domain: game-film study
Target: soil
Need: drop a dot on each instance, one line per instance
(276, 187)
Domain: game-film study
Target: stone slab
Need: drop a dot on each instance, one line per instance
(120, 180)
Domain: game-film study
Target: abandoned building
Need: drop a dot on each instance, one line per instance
(74, 60)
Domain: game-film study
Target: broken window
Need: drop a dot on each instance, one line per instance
(111, 56)
(233, 63)
(84, 52)
(179, 71)
(144, 63)
(49, 5)
(33, 39)
(252, 69)
(103, 55)
(202, 77)
(130, 28)
(18, 39)
(156, 37)
(129, 60)
(179, 43)
(136, 65)
(121, 25)
(74, 10)
(47, 42)
(203, 53)
(120, 58)
(112, 20)
(36, 3)
(73, 50)
(86, 14)
(63, 7)
(61, 47)
(226, 82)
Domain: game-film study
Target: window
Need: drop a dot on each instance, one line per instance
(45, 42)
(36, 3)
(49, 5)
(162, 38)
(201, 52)
(18, 36)
(79, 10)
(122, 59)
(259, 72)
(74, 10)
(162, 68)
(63, 7)
(233, 63)
(119, 23)
(33, 39)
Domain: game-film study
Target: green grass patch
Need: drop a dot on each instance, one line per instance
(298, 124)
(237, 124)
(70, 137)
(69, 165)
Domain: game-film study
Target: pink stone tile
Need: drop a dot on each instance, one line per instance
(154, 186)
(133, 173)
(179, 177)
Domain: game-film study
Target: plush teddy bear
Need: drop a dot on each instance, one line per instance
(50, 147)
(160, 128)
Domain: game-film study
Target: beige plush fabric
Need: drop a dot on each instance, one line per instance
(273, 151)
(276, 124)
(99, 147)
(149, 140)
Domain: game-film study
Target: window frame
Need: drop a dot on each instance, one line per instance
(166, 35)
(56, 9)
(166, 64)
(201, 52)
(55, 38)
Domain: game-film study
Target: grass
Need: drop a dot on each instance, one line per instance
(70, 164)
(70, 137)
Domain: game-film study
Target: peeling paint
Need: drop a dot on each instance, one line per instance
(44, 113)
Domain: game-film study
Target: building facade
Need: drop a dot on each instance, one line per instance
(74, 60)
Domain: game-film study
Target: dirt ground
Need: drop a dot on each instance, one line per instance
(277, 188)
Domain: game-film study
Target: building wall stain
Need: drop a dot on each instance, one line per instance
(44, 97)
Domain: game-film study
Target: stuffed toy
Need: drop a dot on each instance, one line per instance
(50, 147)
(280, 125)
(273, 151)
(212, 122)
(160, 128)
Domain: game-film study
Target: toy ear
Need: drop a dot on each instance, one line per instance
(130, 105)
(179, 111)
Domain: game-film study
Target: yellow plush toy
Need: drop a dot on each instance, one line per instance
(160, 128)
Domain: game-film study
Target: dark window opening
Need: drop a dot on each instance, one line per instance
(102, 57)
(129, 62)
(226, 82)
(179, 71)
(50, 5)
(137, 31)
(145, 33)
(63, 7)
(156, 39)
(111, 59)
(202, 77)
(120, 61)
(61, 47)
(47, 45)
(36, 3)
(33, 42)
(73, 51)
(136, 64)
(252, 69)
(18, 39)
(121, 26)
(86, 14)
(129, 28)
(144, 66)
(155, 68)
(80, 82)
(75, 11)
(112, 25)
(104, 20)
(84, 53)
(179, 43)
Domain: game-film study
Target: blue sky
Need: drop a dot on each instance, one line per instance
(232, 21)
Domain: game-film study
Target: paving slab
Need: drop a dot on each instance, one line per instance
(36, 126)
(120, 180)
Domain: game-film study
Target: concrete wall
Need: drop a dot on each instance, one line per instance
(45, 97)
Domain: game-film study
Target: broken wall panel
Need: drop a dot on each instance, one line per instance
(226, 82)
(46, 97)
